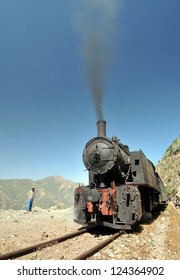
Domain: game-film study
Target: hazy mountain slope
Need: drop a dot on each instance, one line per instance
(50, 191)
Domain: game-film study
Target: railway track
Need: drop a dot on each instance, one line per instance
(98, 247)
(33, 248)
(83, 256)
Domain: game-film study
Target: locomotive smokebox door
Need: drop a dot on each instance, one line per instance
(99, 156)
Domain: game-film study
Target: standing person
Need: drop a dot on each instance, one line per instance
(31, 195)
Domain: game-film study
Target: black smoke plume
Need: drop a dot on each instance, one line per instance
(95, 22)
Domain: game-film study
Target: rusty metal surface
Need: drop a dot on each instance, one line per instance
(98, 247)
(31, 249)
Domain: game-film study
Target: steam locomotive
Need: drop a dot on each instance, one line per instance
(123, 185)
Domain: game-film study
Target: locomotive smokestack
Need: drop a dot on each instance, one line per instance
(101, 128)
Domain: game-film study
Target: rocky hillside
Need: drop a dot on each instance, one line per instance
(50, 191)
(169, 168)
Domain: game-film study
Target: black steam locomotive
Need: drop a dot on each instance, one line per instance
(122, 186)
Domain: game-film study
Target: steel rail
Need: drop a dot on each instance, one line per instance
(33, 248)
(98, 247)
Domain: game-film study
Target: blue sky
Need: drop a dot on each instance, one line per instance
(47, 113)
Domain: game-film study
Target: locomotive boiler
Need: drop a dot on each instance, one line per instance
(123, 185)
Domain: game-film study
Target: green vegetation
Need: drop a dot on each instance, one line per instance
(169, 168)
(174, 148)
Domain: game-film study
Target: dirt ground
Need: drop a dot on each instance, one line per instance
(157, 240)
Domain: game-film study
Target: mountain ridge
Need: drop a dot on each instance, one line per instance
(50, 191)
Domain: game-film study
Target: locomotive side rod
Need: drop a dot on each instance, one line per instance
(31, 249)
(98, 247)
